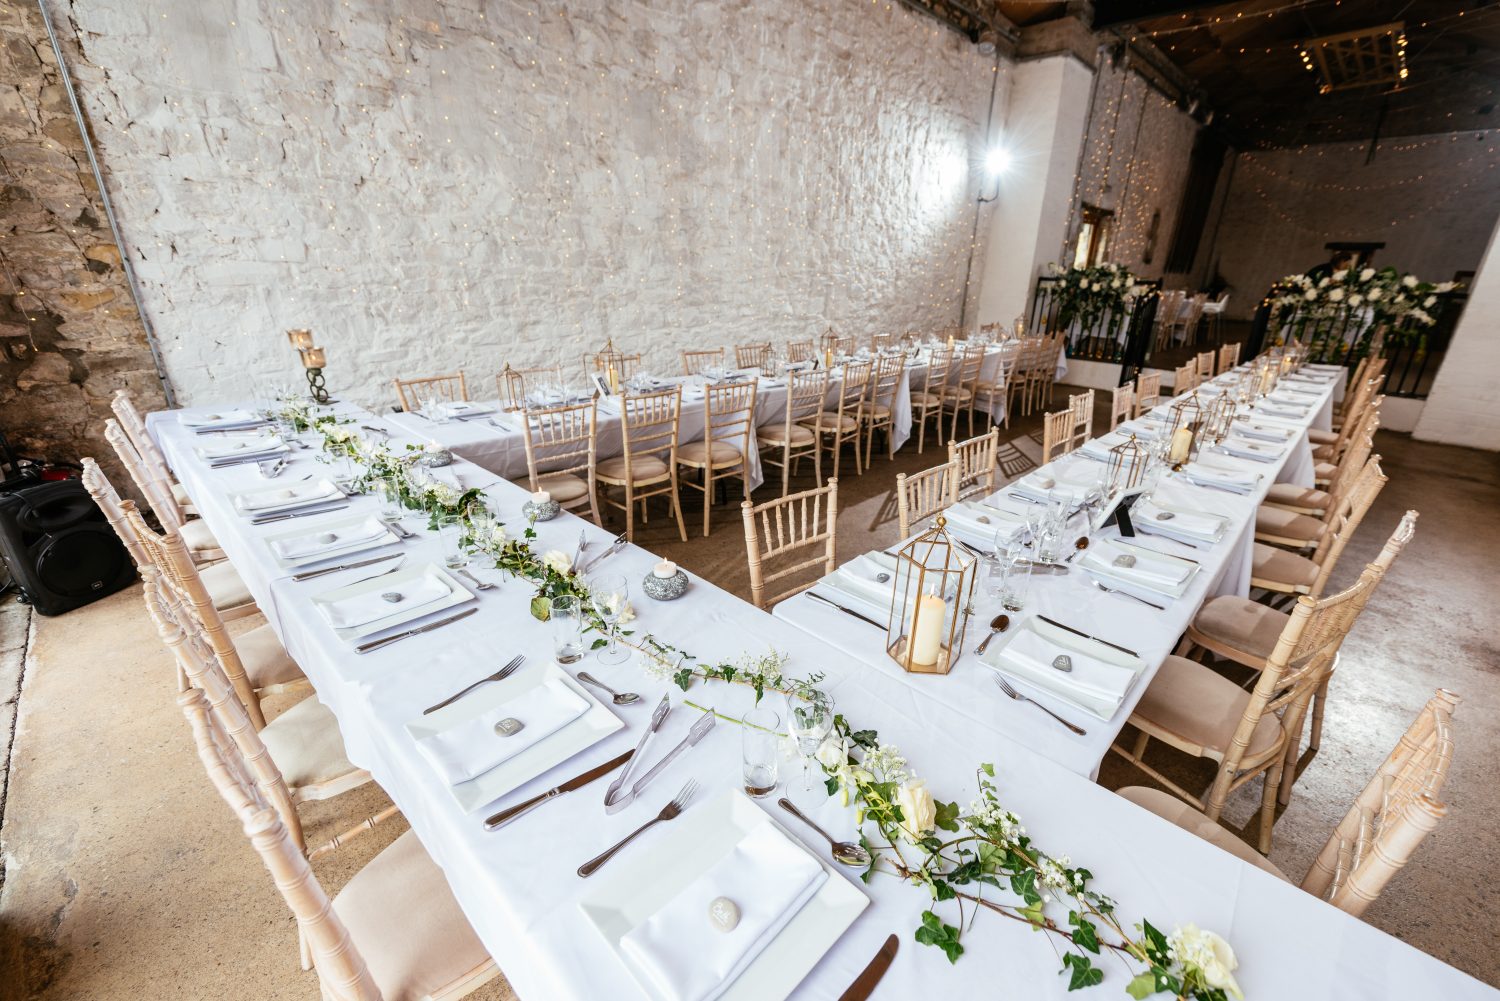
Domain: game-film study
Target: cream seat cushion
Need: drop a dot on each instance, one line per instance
(1175, 811)
(1321, 437)
(1272, 564)
(1325, 470)
(960, 393)
(266, 660)
(830, 419)
(646, 468)
(564, 487)
(1284, 524)
(404, 922)
(695, 453)
(877, 411)
(776, 434)
(304, 742)
(925, 399)
(1241, 624)
(1301, 498)
(1201, 709)
(225, 586)
(1323, 453)
(197, 537)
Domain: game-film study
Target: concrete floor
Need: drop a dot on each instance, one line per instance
(125, 876)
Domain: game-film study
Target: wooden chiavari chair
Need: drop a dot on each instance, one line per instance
(1188, 317)
(959, 393)
(1205, 367)
(394, 931)
(930, 400)
(1197, 711)
(602, 362)
(724, 451)
(1184, 379)
(880, 403)
(881, 342)
(1051, 358)
(134, 426)
(1168, 307)
(1121, 405)
(806, 394)
(158, 493)
(1147, 392)
(836, 428)
(1281, 526)
(694, 362)
(564, 441)
(1387, 821)
(1081, 406)
(511, 383)
(799, 531)
(1283, 572)
(1016, 400)
(799, 351)
(993, 392)
(923, 495)
(1328, 446)
(1229, 357)
(255, 662)
(416, 394)
(973, 463)
(1311, 501)
(752, 355)
(1057, 434)
(648, 467)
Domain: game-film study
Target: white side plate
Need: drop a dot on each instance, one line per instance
(312, 528)
(457, 595)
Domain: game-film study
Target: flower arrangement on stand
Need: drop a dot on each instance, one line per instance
(1087, 295)
(1394, 303)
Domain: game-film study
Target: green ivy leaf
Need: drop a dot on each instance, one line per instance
(947, 816)
(541, 608)
(945, 937)
(599, 643)
(942, 890)
(1084, 933)
(832, 785)
(988, 769)
(1143, 986)
(683, 678)
(1024, 884)
(1085, 974)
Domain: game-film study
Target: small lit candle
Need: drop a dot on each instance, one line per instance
(1182, 444)
(665, 569)
(828, 358)
(950, 340)
(432, 446)
(541, 496)
(927, 629)
(313, 358)
(614, 380)
(301, 339)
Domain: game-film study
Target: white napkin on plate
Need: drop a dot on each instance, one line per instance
(227, 417)
(964, 520)
(1197, 526)
(1147, 571)
(358, 609)
(318, 542)
(1093, 684)
(681, 956)
(1265, 432)
(1205, 472)
(471, 748)
(1260, 452)
(468, 407)
(241, 446)
(304, 493)
(1280, 410)
(857, 577)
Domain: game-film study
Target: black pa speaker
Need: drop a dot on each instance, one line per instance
(61, 551)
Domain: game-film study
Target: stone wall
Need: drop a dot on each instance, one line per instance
(440, 185)
(69, 334)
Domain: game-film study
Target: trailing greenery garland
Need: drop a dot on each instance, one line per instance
(983, 853)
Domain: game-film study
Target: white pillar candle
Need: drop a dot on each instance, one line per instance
(541, 496)
(927, 629)
(1182, 444)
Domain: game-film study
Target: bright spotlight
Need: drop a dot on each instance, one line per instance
(997, 161)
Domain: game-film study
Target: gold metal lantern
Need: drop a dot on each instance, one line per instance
(1127, 465)
(1220, 417)
(1182, 438)
(931, 597)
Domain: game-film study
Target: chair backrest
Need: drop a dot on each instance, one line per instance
(561, 440)
(1205, 366)
(729, 416)
(852, 389)
(135, 429)
(1229, 357)
(1147, 391)
(416, 394)
(796, 533)
(1121, 405)
(151, 482)
(1364, 403)
(511, 383)
(880, 342)
(1169, 306)
(970, 364)
(885, 379)
(938, 367)
(752, 355)
(799, 351)
(108, 499)
(649, 425)
(1344, 520)
(1057, 434)
(920, 496)
(169, 555)
(694, 362)
(973, 463)
(1392, 816)
(1081, 406)
(1184, 379)
(807, 391)
(1353, 458)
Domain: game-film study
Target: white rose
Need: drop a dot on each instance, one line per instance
(832, 752)
(1115, 283)
(1429, 302)
(627, 614)
(1337, 295)
(1446, 286)
(1340, 274)
(1410, 281)
(1373, 294)
(1355, 300)
(1209, 953)
(918, 812)
(497, 533)
(1367, 274)
(1310, 294)
(557, 560)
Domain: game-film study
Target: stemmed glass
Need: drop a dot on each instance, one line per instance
(810, 719)
(609, 594)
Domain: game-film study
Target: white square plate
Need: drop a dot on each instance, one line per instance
(578, 736)
(325, 489)
(1150, 526)
(994, 657)
(1116, 578)
(457, 595)
(630, 891)
(306, 529)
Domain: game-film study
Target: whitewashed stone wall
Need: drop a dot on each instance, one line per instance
(440, 185)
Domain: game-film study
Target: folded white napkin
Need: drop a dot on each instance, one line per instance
(469, 407)
(1296, 399)
(1191, 524)
(678, 953)
(369, 606)
(1098, 448)
(1093, 684)
(964, 521)
(326, 541)
(241, 446)
(1143, 429)
(472, 747)
(858, 577)
(1280, 410)
(227, 417)
(1203, 471)
(1244, 448)
(305, 493)
(1265, 432)
(1148, 572)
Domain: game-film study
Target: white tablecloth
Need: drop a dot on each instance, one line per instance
(518, 887)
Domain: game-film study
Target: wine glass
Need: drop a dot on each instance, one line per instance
(609, 594)
(810, 719)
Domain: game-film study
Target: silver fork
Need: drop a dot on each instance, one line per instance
(1127, 594)
(499, 675)
(482, 585)
(668, 812)
(1004, 687)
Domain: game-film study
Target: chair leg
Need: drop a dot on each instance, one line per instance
(629, 513)
(677, 508)
(921, 431)
(786, 470)
(1268, 798)
(708, 496)
(1319, 697)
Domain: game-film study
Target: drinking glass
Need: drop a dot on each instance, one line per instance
(609, 594)
(760, 749)
(810, 719)
(995, 573)
(451, 530)
(388, 490)
(567, 628)
(1017, 583)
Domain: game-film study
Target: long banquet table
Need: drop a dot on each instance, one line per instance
(518, 886)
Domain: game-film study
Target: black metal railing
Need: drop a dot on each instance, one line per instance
(1413, 352)
(1120, 336)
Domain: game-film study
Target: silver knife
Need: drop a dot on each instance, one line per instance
(700, 728)
(241, 459)
(377, 644)
(847, 611)
(1080, 632)
(311, 574)
(266, 519)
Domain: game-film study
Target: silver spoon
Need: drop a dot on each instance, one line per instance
(998, 625)
(844, 852)
(620, 698)
(482, 585)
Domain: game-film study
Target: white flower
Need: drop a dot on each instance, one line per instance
(1355, 300)
(1200, 949)
(886, 762)
(1373, 294)
(1421, 316)
(1310, 294)
(1367, 274)
(1446, 286)
(1429, 302)
(833, 752)
(1337, 295)
(627, 614)
(1340, 274)
(497, 533)
(918, 812)
(558, 561)
(1410, 281)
